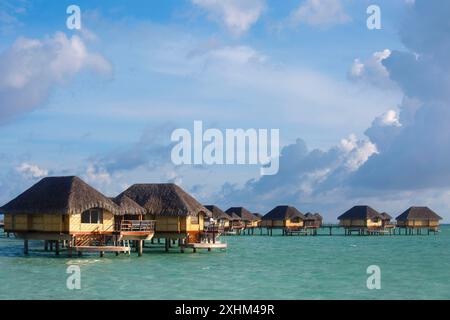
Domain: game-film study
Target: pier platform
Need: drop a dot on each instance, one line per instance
(103, 249)
(205, 245)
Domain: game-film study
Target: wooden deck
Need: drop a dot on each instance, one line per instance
(103, 249)
(205, 245)
(295, 232)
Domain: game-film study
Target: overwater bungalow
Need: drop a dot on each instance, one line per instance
(236, 223)
(319, 219)
(258, 218)
(312, 220)
(220, 218)
(177, 214)
(131, 221)
(386, 220)
(249, 220)
(418, 218)
(283, 217)
(66, 210)
(360, 219)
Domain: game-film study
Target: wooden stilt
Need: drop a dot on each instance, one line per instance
(140, 245)
(69, 249)
(46, 245)
(25, 246)
(166, 244)
(182, 246)
(57, 247)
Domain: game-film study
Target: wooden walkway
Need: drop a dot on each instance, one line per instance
(103, 249)
(296, 232)
(205, 245)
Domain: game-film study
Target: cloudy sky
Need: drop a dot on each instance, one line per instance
(363, 114)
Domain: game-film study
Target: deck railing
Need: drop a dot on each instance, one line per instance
(137, 225)
(213, 228)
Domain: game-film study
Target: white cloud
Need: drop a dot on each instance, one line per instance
(31, 67)
(97, 177)
(238, 16)
(414, 155)
(32, 170)
(357, 152)
(321, 13)
(372, 70)
(237, 55)
(389, 118)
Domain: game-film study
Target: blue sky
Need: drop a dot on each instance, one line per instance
(101, 102)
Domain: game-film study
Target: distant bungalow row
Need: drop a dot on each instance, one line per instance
(67, 212)
(362, 220)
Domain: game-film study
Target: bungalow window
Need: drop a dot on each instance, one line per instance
(93, 216)
(194, 219)
(295, 220)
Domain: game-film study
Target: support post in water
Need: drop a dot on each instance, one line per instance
(25, 246)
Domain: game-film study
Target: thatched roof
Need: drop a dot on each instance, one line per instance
(360, 212)
(418, 213)
(128, 206)
(385, 216)
(283, 213)
(243, 213)
(217, 213)
(310, 216)
(59, 195)
(234, 217)
(258, 215)
(165, 199)
(318, 216)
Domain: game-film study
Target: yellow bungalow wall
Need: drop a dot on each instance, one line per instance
(281, 223)
(360, 223)
(55, 223)
(418, 223)
(176, 224)
(226, 223)
(36, 223)
(77, 226)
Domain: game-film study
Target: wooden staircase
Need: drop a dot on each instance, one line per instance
(92, 240)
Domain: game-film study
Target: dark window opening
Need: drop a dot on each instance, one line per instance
(94, 216)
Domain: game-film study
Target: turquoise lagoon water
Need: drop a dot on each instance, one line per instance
(253, 267)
